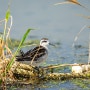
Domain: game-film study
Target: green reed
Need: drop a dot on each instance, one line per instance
(18, 49)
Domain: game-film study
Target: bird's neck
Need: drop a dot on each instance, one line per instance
(44, 46)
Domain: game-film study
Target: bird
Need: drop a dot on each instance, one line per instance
(36, 55)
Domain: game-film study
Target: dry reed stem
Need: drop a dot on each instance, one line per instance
(87, 17)
(31, 74)
(35, 55)
(72, 2)
(61, 65)
(1, 49)
(69, 1)
(78, 34)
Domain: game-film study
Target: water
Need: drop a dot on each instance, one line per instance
(58, 23)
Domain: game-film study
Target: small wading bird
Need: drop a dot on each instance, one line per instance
(37, 55)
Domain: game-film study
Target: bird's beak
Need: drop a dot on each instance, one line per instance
(51, 44)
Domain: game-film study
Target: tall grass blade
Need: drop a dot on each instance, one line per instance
(19, 47)
(7, 15)
(9, 28)
(75, 39)
(66, 2)
(6, 20)
(84, 16)
(72, 2)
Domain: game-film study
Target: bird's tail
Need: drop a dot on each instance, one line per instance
(20, 57)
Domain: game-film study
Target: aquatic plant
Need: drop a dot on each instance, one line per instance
(4, 40)
(18, 49)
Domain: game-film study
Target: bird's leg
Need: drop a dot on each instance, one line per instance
(40, 70)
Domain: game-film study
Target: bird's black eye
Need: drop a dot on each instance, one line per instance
(44, 41)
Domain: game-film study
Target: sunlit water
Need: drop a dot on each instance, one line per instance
(58, 23)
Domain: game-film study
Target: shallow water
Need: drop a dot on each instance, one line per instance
(58, 23)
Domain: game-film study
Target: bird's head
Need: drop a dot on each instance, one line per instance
(44, 42)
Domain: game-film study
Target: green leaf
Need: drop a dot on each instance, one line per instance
(0, 81)
(19, 47)
(23, 39)
(7, 15)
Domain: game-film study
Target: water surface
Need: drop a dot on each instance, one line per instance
(58, 23)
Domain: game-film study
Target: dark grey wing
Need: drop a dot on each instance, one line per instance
(22, 55)
(18, 57)
(27, 53)
(34, 54)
